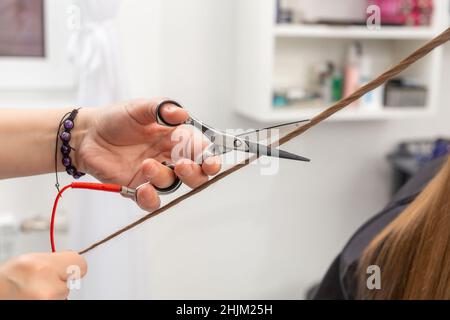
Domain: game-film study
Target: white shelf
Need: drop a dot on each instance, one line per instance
(269, 57)
(354, 32)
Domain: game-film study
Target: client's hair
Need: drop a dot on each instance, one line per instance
(413, 251)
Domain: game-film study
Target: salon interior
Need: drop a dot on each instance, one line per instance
(235, 64)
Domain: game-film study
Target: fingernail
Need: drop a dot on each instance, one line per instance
(170, 108)
(211, 160)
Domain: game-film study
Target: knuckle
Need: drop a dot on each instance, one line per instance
(31, 264)
(149, 165)
(43, 270)
(128, 106)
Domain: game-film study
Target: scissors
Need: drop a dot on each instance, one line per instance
(221, 143)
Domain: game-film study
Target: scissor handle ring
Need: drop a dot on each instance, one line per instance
(172, 188)
(162, 191)
(160, 119)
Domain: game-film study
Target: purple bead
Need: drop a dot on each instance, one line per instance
(68, 124)
(65, 136)
(71, 170)
(66, 161)
(65, 150)
(78, 175)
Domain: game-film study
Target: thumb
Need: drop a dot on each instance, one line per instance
(63, 261)
(144, 112)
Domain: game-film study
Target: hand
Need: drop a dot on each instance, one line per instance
(39, 276)
(123, 144)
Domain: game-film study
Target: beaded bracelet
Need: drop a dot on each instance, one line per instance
(67, 123)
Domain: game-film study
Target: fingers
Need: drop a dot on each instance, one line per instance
(211, 166)
(43, 275)
(64, 261)
(161, 176)
(195, 149)
(147, 198)
(172, 114)
(144, 112)
(190, 173)
(158, 174)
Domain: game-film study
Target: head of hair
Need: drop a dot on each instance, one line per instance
(413, 251)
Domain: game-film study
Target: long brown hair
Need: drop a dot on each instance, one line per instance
(413, 251)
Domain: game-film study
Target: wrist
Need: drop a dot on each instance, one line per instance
(82, 124)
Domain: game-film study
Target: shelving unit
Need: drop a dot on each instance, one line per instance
(353, 32)
(271, 54)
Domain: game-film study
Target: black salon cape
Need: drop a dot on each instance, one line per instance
(339, 281)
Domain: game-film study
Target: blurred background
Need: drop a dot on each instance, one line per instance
(233, 64)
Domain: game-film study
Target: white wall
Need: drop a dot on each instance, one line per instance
(250, 236)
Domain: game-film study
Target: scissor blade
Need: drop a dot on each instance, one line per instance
(280, 127)
(263, 150)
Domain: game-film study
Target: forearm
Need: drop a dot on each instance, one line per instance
(28, 137)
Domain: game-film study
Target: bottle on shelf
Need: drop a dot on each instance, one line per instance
(372, 100)
(326, 81)
(336, 85)
(352, 74)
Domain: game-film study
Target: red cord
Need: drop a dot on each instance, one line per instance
(78, 185)
(52, 221)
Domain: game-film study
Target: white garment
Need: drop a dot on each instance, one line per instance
(93, 49)
(113, 268)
